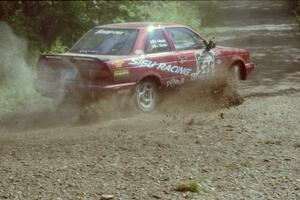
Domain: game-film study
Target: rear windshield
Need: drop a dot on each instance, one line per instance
(105, 41)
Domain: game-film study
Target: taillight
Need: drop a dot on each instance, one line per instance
(101, 73)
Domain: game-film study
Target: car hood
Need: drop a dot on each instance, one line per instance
(231, 49)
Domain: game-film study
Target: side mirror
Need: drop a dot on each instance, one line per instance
(211, 44)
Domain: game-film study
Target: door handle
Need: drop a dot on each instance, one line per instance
(182, 59)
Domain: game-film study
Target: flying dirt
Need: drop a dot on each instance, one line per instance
(245, 150)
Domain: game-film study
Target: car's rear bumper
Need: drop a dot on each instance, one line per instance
(53, 89)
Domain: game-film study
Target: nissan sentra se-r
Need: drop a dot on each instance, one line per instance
(144, 58)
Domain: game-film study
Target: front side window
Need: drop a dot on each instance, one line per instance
(156, 42)
(105, 41)
(184, 39)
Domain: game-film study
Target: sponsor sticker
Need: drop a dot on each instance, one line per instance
(121, 73)
(118, 63)
(102, 31)
(144, 63)
(174, 82)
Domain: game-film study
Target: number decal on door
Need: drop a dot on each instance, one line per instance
(205, 65)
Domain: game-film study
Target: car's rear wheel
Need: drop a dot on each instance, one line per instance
(146, 95)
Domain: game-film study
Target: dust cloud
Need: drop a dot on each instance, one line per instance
(21, 107)
(12, 62)
(16, 77)
(203, 95)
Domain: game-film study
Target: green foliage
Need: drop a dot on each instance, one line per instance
(193, 186)
(53, 26)
(57, 46)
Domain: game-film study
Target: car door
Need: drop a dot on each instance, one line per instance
(158, 54)
(191, 52)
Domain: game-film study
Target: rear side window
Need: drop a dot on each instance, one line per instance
(184, 39)
(105, 41)
(156, 42)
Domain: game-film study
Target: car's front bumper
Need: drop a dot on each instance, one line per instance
(249, 67)
(53, 89)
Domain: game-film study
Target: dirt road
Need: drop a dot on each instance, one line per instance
(250, 151)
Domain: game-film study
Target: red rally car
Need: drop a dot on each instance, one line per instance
(143, 58)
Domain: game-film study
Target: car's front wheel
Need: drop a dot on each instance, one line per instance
(233, 77)
(147, 95)
(228, 92)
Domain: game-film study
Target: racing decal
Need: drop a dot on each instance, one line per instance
(158, 43)
(121, 73)
(106, 32)
(174, 82)
(141, 62)
(206, 64)
(118, 63)
(218, 57)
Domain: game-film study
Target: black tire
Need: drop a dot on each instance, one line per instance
(228, 92)
(233, 77)
(146, 95)
(231, 92)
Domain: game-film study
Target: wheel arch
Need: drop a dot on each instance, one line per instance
(155, 78)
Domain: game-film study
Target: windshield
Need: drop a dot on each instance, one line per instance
(105, 41)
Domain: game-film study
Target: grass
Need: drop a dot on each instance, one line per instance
(193, 186)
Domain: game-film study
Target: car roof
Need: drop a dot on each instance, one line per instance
(139, 25)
